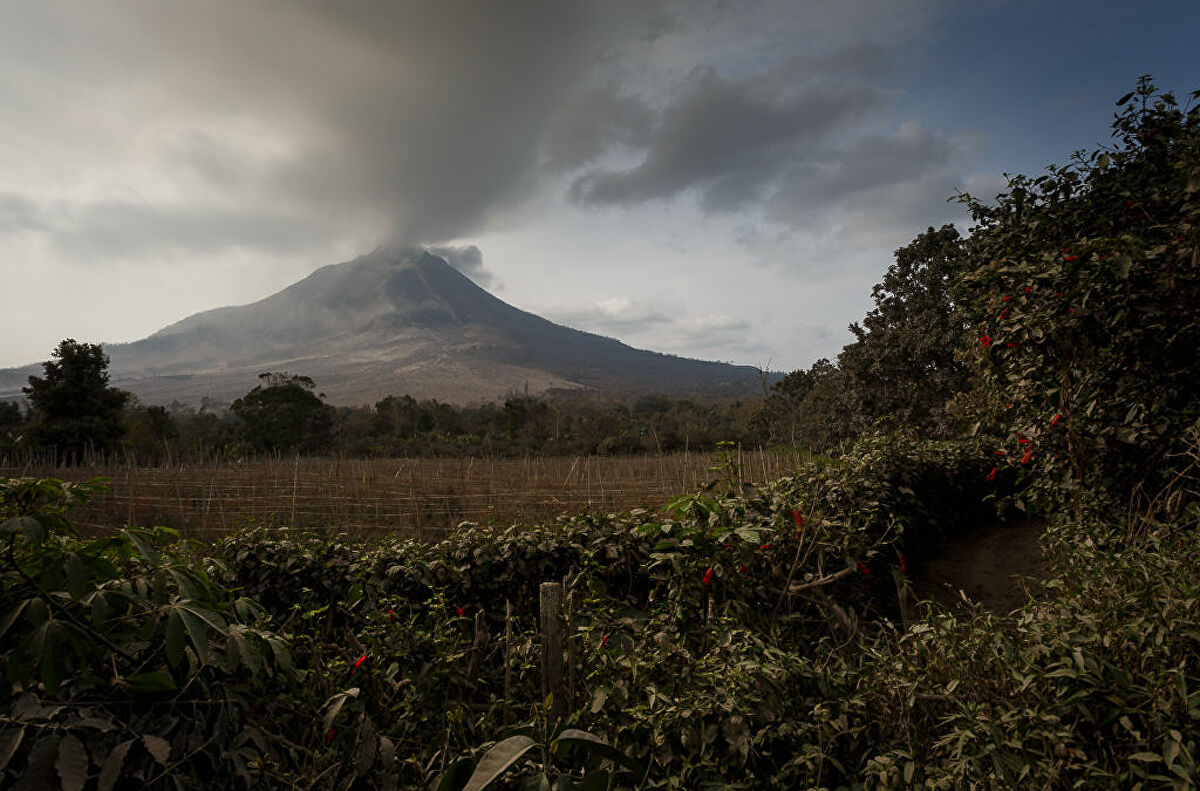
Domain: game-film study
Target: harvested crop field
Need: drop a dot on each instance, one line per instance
(363, 497)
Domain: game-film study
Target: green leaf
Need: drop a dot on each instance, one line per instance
(31, 527)
(334, 707)
(110, 772)
(214, 619)
(592, 743)
(39, 771)
(368, 746)
(243, 644)
(1146, 757)
(196, 631)
(49, 645)
(142, 542)
(77, 582)
(279, 649)
(497, 760)
(174, 638)
(158, 747)
(10, 740)
(456, 776)
(72, 764)
(11, 617)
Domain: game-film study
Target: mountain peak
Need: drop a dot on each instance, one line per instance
(396, 321)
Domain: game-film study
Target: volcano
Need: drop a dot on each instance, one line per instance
(394, 322)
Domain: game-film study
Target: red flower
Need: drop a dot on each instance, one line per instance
(359, 663)
(1003, 314)
(1054, 420)
(1006, 299)
(1027, 289)
(329, 736)
(903, 565)
(991, 476)
(1023, 441)
(1001, 453)
(458, 611)
(1025, 459)
(1058, 294)
(766, 546)
(1012, 345)
(1066, 249)
(745, 568)
(986, 340)
(391, 614)
(866, 572)
(1071, 258)
(603, 641)
(707, 576)
(799, 520)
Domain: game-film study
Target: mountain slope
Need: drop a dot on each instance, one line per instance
(390, 323)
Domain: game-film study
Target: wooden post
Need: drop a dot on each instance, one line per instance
(480, 643)
(905, 598)
(553, 683)
(569, 648)
(507, 657)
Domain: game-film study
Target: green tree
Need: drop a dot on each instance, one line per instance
(11, 421)
(73, 407)
(902, 368)
(149, 430)
(284, 414)
(1085, 308)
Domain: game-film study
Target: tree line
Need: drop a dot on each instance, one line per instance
(73, 411)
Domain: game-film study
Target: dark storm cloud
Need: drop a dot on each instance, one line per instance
(18, 213)
(728, 139)
(593, 122)
(279, 123)
(429, 117)
(864, 165)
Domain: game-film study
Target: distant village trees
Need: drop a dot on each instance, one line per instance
(73, 408)
(284, 414)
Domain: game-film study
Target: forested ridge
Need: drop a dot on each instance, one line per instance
(751, 635)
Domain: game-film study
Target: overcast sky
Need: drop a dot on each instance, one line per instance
(723, 180)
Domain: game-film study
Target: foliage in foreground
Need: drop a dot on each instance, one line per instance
(745, 638)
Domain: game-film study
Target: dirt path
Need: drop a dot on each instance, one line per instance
(987, 564)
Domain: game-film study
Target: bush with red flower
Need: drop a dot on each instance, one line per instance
(1085, 289)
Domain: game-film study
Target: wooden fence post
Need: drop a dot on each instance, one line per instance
(905, 598)
(507, 658)
(553, 683)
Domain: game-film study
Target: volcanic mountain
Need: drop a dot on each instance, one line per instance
(393, 323)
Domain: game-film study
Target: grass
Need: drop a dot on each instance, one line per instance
(365, 497)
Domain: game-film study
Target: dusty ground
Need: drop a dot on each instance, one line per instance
(988, 564)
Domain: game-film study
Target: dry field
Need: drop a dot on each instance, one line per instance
(364, 497)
